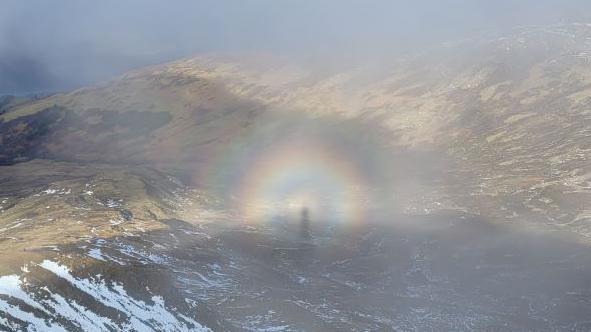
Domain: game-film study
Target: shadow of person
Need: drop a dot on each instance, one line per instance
(305, 224)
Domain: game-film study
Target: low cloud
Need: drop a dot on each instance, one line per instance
(59, 45)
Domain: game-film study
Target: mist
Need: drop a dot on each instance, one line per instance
(259, 165)
(60, 45)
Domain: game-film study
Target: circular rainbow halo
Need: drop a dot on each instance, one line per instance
(290, 178)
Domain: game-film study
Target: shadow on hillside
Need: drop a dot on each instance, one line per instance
(455, 269)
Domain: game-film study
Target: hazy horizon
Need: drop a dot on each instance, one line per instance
(61, 45)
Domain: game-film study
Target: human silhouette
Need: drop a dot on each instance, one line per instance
(305, 224)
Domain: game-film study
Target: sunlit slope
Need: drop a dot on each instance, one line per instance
(47, 203)
(509, 117)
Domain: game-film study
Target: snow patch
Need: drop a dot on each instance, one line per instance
(137, 314)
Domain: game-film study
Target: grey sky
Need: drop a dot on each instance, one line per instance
(60, 44)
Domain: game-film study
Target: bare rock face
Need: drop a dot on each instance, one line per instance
(470, 163)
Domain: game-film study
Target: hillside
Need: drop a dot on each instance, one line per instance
(508, 117)
(461, 154)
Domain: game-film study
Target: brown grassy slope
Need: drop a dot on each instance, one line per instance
(511, 113)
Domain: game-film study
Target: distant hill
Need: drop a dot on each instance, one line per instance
(509, 117)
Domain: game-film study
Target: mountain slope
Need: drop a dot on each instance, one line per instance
(511, 115)
(170, 169)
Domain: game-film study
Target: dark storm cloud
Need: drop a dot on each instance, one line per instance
(61, 44)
